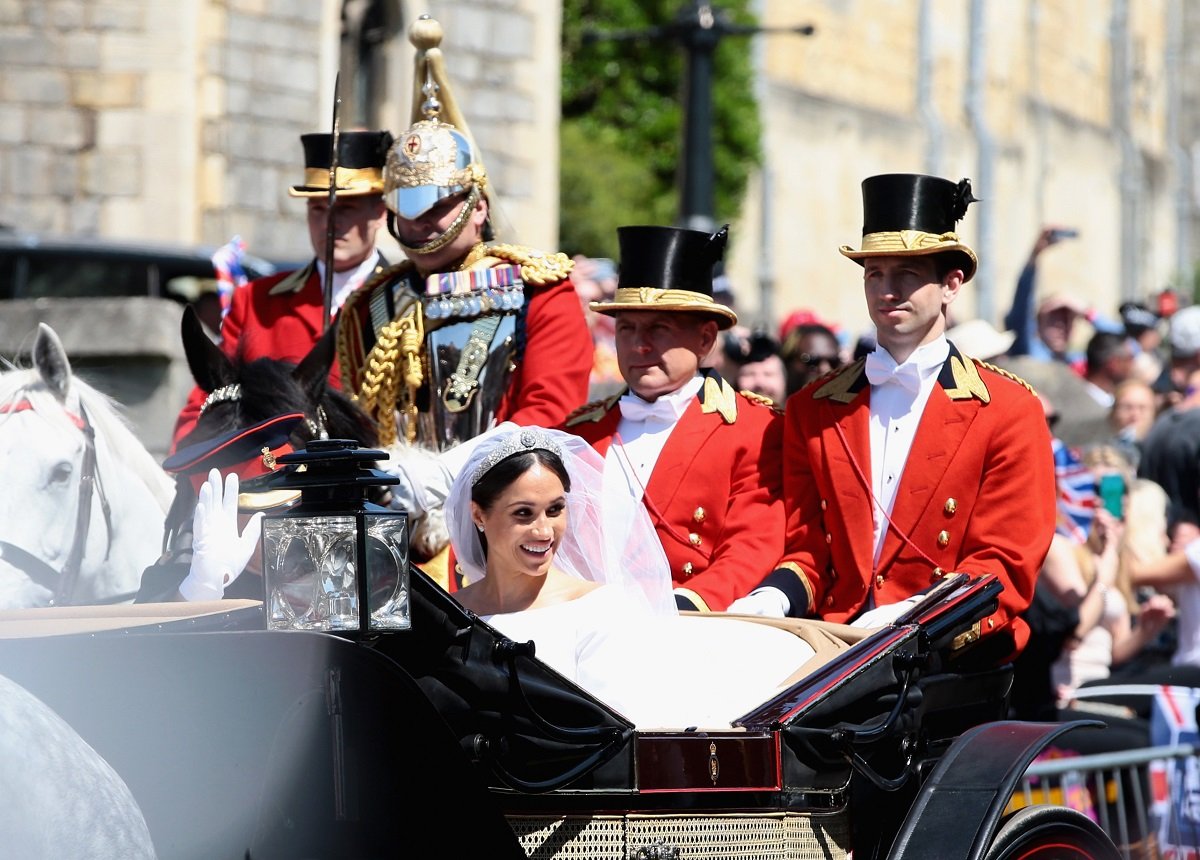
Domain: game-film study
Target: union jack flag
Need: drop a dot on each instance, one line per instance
(1076, 492)
(227, 261)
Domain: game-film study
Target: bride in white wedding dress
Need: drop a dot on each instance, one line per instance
(528, 526)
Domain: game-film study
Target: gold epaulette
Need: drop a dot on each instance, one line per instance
(1008, 374)
(760, 399)
(537, 267)
(836, 383)
(593, 411)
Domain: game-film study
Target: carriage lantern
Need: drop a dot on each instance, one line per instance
(335, 553)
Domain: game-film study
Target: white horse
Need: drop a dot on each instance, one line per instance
(82, 502)
(61, 799)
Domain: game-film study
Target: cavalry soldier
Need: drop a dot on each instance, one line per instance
(465, 332)
(703, 458)
(915, 461)
(281, 316)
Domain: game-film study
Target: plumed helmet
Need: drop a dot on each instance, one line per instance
(435, 157)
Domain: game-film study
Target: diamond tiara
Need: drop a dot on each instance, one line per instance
(525, 439)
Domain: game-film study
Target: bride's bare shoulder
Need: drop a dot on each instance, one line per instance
(471, 598)
(580, 587)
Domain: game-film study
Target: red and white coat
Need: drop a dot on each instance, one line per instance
(977, 495)
(714, 495)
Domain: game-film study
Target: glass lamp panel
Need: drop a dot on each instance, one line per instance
(309, 569)
(387, 571)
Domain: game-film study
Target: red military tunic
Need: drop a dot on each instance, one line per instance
(977, 495)
(279, 317)
(715, 493)
(554, 352)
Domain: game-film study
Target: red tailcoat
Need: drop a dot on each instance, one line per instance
(977, 494)
(714, 495)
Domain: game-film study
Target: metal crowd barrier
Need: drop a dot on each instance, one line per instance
(1146, 800)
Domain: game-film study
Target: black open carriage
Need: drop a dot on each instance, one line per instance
(240, 742)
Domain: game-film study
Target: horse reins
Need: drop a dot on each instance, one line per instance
(62, 583)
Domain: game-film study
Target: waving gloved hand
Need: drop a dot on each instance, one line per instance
(766, 601)
(219, 553)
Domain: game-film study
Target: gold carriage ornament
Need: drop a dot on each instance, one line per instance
(335, 553)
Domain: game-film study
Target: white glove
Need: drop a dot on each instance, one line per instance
(766, 601)
(886, 614)
(219, 553)
(416, 468)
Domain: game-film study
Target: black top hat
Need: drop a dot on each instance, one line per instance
(668, 269)
(361, 156)
(909, 215)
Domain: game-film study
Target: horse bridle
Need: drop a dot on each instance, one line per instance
(62, 583)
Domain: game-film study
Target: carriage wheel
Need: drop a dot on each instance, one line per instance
(1050, 833)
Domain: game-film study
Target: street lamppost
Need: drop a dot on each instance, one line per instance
(698, 27)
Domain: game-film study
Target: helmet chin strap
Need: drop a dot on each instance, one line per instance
(452, 232)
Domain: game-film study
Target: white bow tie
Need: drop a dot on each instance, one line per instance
(881, 369)
(662, 410)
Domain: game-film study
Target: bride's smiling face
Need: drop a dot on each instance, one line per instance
(524, 525)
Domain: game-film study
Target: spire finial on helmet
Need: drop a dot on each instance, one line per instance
(435, 157)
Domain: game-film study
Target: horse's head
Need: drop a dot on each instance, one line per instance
(83, 506)
(242, 394)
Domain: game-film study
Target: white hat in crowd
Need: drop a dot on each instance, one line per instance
(980, 339)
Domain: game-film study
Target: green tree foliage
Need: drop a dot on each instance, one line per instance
(622, 120)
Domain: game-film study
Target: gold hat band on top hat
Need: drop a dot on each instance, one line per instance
(350, 180)
(660, 299)
(910, 243)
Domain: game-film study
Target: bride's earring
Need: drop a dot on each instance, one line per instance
(479, 526)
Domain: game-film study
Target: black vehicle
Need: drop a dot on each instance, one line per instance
(35, 266)
(237, 741)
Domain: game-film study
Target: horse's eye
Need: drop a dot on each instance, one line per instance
(61, 473)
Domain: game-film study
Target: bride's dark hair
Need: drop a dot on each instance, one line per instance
(498, 478)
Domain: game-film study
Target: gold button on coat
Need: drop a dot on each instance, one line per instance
(943, 537)
(951, 506)
(687, 568)
(824, 504)
(879, 581)
(699, 514)
(694, 539)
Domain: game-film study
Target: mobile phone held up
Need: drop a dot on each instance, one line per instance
(1060, 233)
(1112, 494)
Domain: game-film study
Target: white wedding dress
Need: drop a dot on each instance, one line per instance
(659, 671)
